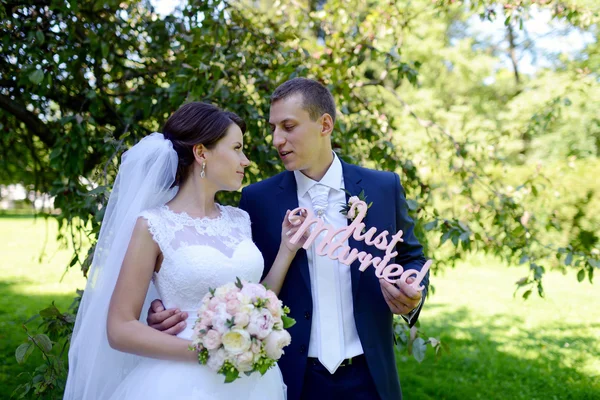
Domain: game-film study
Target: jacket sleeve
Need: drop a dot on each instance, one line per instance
(410, 252)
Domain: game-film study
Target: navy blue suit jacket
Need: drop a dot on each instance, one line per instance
(267, 202)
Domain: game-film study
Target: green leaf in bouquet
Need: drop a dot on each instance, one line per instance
(263, 365)
(202, 356)
(212, 291)
(238, 283)
(261, 303)
(230, 322)
(231, 373)
(287, 321)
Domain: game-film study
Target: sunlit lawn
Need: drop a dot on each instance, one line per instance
(504, 347)
(501, 347)
(28, 285)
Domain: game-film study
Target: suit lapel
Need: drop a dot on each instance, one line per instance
(287, 199)
(352, 183)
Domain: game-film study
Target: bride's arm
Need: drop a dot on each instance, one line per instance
(125, 332)
(285, 255)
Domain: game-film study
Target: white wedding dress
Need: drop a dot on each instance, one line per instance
(199, 254)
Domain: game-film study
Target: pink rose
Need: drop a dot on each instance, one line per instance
(254, 291)
(261, 323)
(275, 342)
(241, 319)
(232, 295)
(211, 340)
(233, 306)
(207, 317)
(274, 305)
(353, 200)
(199, 326)
(214, 303)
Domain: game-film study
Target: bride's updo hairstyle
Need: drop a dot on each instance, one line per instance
(197, 123)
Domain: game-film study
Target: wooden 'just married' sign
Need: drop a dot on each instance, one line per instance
(335, 247)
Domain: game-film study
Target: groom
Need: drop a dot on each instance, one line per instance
(343, 342)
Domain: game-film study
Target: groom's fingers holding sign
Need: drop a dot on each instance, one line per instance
(401, 297)
(170, 321)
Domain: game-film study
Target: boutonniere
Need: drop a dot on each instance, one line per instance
(353, 199)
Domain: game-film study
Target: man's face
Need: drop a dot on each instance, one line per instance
(298, 139)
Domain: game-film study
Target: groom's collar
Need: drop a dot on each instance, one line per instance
(333, 178)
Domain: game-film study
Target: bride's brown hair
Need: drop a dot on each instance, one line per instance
(197, 123)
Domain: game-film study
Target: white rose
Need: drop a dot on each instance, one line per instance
(216, 358)
(236, 341)
(256, 350)
(219, 321)
(241, 319)
(243, 298)
(261, 323)
(275, 342)
(245, 361)
(205, 301)
(222, 291)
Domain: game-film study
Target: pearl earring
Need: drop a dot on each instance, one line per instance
(203, 173)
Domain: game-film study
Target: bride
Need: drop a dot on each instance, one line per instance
(163, 228)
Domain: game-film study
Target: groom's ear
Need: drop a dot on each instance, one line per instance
(326, 125)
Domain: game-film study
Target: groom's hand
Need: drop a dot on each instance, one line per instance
(171, 321)
(401, 297)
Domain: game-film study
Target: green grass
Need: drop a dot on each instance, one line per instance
(501, 347)
(31, 267)
(504, 347)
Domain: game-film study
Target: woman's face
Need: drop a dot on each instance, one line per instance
(225, 163)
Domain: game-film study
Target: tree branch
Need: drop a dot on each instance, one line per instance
(33, 123)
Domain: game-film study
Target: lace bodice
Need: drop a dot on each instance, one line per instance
(201, 253)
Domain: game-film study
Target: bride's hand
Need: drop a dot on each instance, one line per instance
(288, 231)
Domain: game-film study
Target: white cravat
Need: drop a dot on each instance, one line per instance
(331, 335)
(334, 180)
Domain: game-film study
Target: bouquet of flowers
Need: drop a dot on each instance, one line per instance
(241, 328)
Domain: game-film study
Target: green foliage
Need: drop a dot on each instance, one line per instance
(48, 378)
(95, 100)
(414, 341)
(231, 373)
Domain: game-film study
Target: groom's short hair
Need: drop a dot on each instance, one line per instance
(316, 98)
